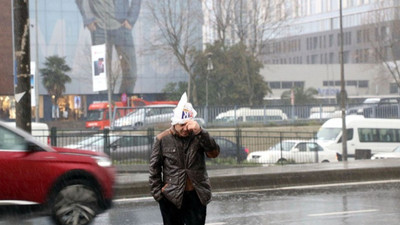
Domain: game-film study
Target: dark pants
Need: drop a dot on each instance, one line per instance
(191, 213)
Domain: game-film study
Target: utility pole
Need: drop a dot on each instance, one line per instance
(22, 71)
(342, 91)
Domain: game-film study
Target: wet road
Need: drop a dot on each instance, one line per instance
(369, 203)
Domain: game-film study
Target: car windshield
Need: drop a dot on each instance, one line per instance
(328, 133)
(286, 146)
(397, 149)
(100, 141)
(94, 115)
(136, 112)
(88, 141)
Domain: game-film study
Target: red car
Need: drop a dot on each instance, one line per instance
(74, 184)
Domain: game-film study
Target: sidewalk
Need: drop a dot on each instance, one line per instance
(132, 181)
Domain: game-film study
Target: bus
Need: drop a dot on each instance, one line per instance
(365, 136)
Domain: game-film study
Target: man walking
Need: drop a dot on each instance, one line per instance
(178, 176)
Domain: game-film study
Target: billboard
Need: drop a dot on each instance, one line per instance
(65, 29)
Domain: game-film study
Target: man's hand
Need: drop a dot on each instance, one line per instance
(91, 26)
(127, 25)
(193, 126)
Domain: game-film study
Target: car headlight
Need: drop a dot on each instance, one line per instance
(103, 161)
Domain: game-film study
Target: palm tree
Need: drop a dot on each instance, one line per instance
(54, 76)
(301, 96)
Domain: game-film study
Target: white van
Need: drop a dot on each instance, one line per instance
(39, 130)
(363, 135)
(251, 115)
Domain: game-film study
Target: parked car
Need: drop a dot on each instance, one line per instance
(121, 145)
(229, 149)
(395, 154)
(298, 151)
(251, 115)
(147, 115)
(73, 185)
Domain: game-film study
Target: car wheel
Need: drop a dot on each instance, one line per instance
(138, 124)
(75, 204)
(325, 161)
(282, 160)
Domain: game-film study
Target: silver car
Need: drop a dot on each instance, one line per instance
(151, 114)
(119, 146)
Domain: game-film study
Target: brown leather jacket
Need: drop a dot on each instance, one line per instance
(178, 164)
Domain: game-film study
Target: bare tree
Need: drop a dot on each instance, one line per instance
(381, 34)
(178, 22)
(220, 14)
(249, 22)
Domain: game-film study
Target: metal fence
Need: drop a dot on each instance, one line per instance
(232, 116)
(135, 146)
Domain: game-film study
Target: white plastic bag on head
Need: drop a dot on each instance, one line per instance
(183, 112)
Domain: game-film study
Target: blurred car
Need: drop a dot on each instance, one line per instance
(85, 142)
(147, 115)
(72, 185)
(395, 154)
(229, 149)
(250, 115)
(298, 151)
(386, 107)
(121, 145)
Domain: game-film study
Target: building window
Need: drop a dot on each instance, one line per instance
(351, 83)
(315, 43)
(359, 36)
(363, 83)
(299, 84)
(287, 85)
(330, 40)
(314, 59)
(275, 85)
(394, 89)
(331, 57)
(346, 56)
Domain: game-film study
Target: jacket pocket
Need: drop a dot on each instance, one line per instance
(170, 190)
(170, 155)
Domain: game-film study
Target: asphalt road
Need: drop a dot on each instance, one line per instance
(340, 204)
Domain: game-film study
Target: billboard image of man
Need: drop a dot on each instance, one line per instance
(111, 22)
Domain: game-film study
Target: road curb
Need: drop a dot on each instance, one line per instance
(243, 182)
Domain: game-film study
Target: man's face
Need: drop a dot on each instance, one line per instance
(182, 130)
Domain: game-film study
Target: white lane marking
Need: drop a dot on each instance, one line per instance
(344, 212)
(310, 186)
(142, 199)
(221, 223)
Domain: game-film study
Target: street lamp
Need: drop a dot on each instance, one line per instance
(209, 68)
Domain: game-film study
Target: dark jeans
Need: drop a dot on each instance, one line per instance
(191, 213)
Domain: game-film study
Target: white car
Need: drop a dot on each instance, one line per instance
(294, 151)
(395, 154)
(150, 114)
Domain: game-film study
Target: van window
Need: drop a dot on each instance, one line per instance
(349, 135)
(378, 135)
